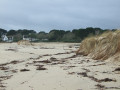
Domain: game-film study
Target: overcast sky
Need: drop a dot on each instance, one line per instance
(45, 15)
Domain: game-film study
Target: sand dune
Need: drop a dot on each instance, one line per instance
(103, 47)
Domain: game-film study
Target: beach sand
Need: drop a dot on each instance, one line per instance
(54, 66)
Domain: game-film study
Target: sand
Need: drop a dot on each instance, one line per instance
(54, 66)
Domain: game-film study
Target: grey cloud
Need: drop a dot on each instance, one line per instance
(59, 14)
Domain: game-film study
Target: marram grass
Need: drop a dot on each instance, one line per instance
(101, 47)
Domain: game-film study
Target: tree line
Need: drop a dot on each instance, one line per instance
(75, 35)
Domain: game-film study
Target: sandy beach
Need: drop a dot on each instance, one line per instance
(54, 66)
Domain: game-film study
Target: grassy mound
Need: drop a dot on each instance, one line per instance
(101, 47)
(24, 42)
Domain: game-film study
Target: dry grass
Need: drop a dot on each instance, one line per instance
(101, 47)
(24, 42)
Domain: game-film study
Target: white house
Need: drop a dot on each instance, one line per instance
(7, 38)
(26, 38)
(4, 38)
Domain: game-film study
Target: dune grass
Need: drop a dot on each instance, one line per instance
(101, 47)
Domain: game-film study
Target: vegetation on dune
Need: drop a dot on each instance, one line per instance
(102, 46)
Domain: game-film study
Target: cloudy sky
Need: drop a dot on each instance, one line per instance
(45, 15)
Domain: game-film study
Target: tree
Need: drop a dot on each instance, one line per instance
(17, 37)
(42, 35)
(25, 31)
(12, 32)
(32, 35)
(56, 35)
(68, 37)
(41, 32)
(2, 31)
